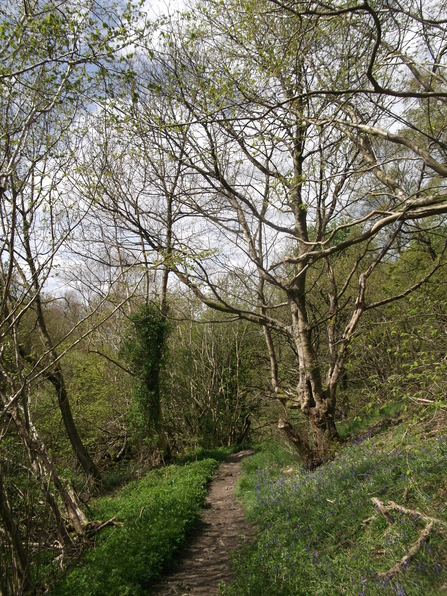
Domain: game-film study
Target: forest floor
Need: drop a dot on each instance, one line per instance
(222, 528)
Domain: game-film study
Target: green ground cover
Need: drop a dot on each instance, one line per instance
(321, 533)
(156, 512)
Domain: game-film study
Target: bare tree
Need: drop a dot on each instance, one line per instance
(135, 186)
(306, 132)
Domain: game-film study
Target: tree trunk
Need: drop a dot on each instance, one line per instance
(301, 443)
(83, 456)
(57, 380)
(45, 471)
(316, 403)
(322, 423)
(163, 443)
(56, 377)
(16, 541)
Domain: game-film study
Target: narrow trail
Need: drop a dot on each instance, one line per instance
(221, 529)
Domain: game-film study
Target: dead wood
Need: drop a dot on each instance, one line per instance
(94, 527)
(383, 510)
(403, 563)
(396, 507)
(431, 523)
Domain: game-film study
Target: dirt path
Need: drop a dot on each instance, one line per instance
(221, 529)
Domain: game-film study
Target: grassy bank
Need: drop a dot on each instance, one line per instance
(321, 532)
(156, 513)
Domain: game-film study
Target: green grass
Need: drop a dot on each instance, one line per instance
(372, 416)
(157, 512)
(321, 534)
(119, 474)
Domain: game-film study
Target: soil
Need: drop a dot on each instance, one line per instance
(221, 529)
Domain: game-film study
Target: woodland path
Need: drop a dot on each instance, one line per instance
(221, 529)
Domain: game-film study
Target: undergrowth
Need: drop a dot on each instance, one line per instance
(321, 533)
(371, 417)
(119, 474)
(156, 512)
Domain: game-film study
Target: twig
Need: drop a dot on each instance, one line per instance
(405, 495)
(405, 433)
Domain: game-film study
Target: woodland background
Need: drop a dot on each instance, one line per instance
(210, 221)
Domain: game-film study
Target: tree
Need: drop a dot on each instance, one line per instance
(143, 350)
(400, 352)
(134, 189)
(287, 120)
(214, 378)
(54, 57)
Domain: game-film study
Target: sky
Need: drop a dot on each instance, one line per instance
(156, 8)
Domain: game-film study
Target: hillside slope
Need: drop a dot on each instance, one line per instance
(371, 521)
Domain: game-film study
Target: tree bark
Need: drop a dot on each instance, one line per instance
(15, 538)
(83, 456)
(45, 471)
(56, 378)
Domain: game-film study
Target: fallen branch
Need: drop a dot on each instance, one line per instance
(411, 553)
(95, 526)
(391, 505)
(421, 400)
(432, 522)
(383, 510)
